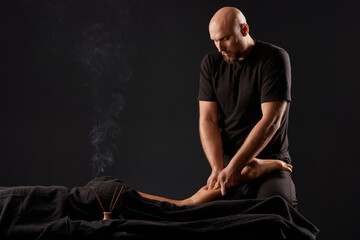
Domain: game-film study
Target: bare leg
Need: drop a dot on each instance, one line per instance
(254, 169)
(162, 199)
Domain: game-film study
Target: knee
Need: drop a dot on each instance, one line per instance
(278, 184)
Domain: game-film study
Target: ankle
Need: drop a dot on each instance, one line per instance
(187, 201)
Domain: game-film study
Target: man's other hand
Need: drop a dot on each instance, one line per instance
(227, 179)
(213, 178)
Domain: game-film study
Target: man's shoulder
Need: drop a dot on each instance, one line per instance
(266, 49)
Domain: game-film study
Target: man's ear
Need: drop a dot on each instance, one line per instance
(244, 29)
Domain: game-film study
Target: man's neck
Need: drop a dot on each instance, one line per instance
(250, 43)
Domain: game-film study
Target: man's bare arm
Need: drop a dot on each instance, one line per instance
(255, 142)
(211, 139)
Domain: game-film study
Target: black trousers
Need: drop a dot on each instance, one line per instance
(268, 185)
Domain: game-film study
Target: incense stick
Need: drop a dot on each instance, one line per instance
(112, 199)
(98, 199)
(117, 198)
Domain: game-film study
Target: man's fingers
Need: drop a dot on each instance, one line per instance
(213, 184)
(245, 170)
(223, 189)
(210, 184)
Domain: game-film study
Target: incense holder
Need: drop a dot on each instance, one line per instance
(107, 215)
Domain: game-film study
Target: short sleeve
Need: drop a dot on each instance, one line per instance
(276, 78)
(206, 89)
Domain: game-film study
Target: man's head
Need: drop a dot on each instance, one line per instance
(229, 31)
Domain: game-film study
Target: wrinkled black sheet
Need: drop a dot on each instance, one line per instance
(57, 212)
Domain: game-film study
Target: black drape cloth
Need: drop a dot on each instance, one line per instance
(57, 212)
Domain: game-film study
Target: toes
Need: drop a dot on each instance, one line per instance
(287, 167)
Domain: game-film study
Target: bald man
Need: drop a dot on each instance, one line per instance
(244, 98)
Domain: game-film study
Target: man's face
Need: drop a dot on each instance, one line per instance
(227, 40)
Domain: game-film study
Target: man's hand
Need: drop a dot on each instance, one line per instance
(228, 178)
(212, 180)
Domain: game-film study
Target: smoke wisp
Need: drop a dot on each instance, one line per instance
(106, 57)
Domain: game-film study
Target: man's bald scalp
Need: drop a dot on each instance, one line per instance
(227, 15)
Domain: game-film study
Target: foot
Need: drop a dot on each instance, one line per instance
(256, 167)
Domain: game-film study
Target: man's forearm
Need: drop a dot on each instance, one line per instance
(255, 142)
(212, 144)
(258, 138)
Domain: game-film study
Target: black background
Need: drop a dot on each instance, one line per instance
(125, 74)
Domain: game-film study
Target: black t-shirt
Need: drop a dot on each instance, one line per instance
(240, 88)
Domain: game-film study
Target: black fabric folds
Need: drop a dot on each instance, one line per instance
(56, 212)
